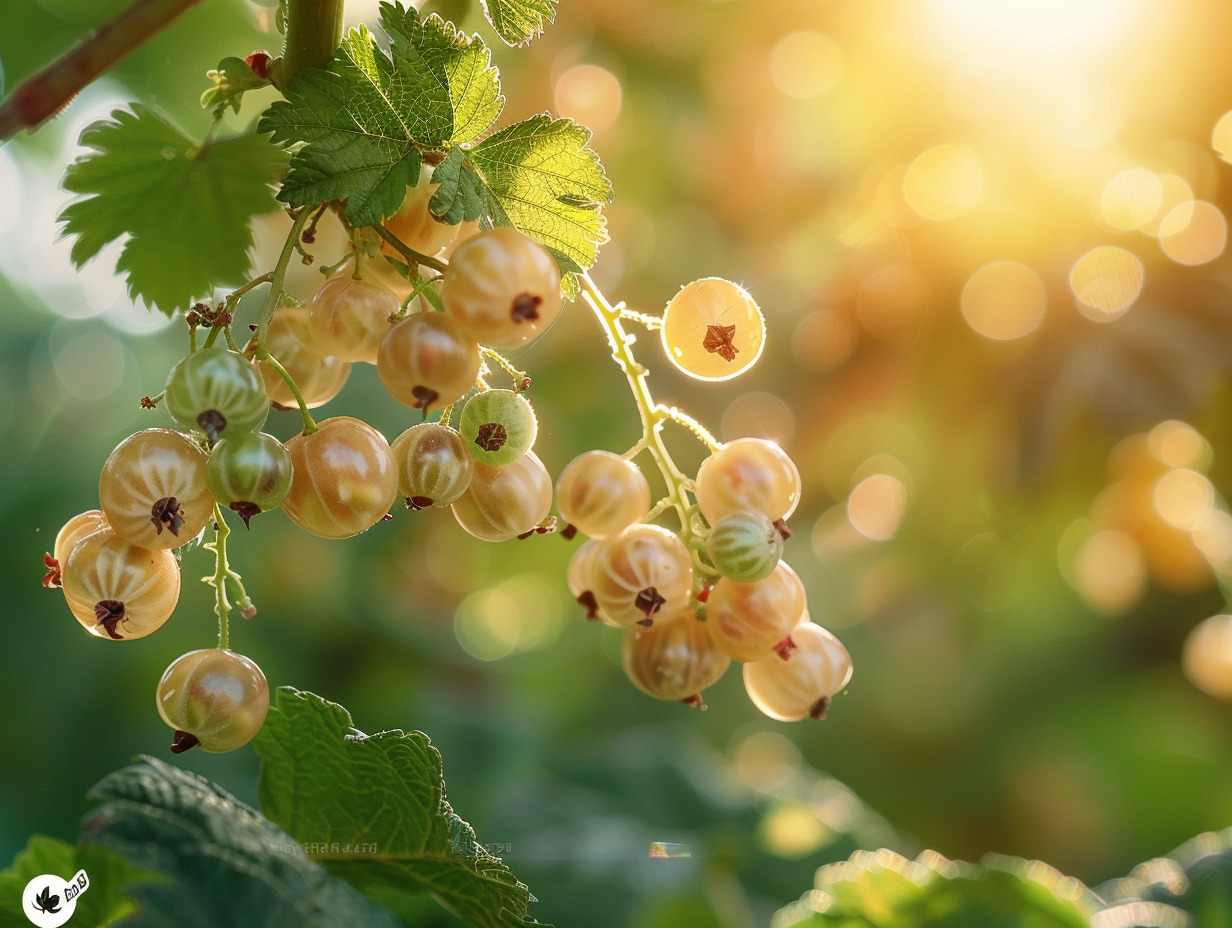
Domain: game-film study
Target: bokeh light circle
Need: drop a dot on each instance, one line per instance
(1193, 233)
(1131, 199)
(805, 64)
(944, 182)
(1106, 281)
(590, 95)
(1207, 656)
(876, 505)
(1004, 300)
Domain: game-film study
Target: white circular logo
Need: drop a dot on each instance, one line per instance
(49, 900)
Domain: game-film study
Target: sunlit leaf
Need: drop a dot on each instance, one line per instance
(183, 207)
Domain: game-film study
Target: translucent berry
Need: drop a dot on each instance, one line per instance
(117, 590)
(414, 225)
(249, 474)
(317, 375)
(507, 501)
(350, 315)
(801, 685)
(502, 287)
(434, 467)
(601, 493)
(675, 658)
(749, 619)
(745, 546)
(343, 478)
(748, 473)
(217, 392)
(214, 698)
(641, 573)
(153, 489)
(427, 362)
(713, 330)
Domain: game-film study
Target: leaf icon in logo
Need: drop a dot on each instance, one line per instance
(46, 902)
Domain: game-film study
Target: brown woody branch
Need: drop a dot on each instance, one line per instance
(46, 93)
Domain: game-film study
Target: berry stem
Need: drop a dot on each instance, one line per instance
(276, 278)
(411, 255)
(222, 606)
(520, 379)
(234, 298)
(47, 92)
(652, 414)
(650, 322)
(702, 433)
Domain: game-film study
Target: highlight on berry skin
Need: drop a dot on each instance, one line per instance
(713, 329)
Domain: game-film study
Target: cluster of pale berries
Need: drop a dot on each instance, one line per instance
(160, 487)
(686, 617)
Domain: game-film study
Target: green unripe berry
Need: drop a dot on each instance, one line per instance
(249, 473)
(217, 392)
(498, 427)
(745, 546)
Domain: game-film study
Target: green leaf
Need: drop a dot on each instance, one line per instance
(460, 196)
(232, 79)
(374, 808)
(880, 889)
(1196, 877)
(184, 207)
(102, 904)
(540, 176)
(519, 21)
(461, 66)
(368, 116)
(225, 864)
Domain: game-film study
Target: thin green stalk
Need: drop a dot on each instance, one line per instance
(276, 278)
(218, 580)
(212, 337)
(652, 415)
(521, 380)
(702, 433)
(650, 322)
(234, 298)
(314, 31)
(411, 255)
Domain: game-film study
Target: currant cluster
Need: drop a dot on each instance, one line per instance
(691, 601)
(160, 488)
(717, 591)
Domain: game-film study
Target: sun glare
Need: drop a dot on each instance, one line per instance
(1038, 25)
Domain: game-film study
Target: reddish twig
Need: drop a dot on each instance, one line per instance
(46, 93)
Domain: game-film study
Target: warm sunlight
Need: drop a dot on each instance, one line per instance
(1040, 25)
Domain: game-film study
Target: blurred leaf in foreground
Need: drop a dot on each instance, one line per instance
(102, 904)
(225, 863)
(372, 810)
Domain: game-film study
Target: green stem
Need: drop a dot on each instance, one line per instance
(314, 31)
(276, 278)
(651, 413)
(521, 380)
(47, 92)
(650, 322)
(702, 433)
(234, 298)
(411, 255)
(222, 607)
